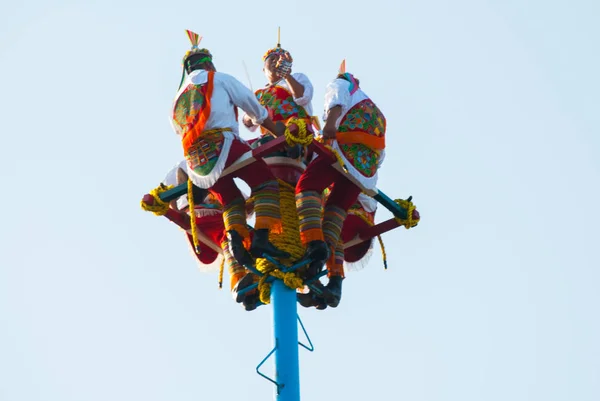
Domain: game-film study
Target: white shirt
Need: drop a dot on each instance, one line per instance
(227, 93)
(337, 93)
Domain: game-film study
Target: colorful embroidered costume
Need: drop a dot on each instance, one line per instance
(204, 115)
(360, 142)
(281, 103)
(278, 95)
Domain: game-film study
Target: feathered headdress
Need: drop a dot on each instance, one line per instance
(349, 77)
(195, 40)
(195, 50)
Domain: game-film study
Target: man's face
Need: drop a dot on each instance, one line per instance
(270, 68)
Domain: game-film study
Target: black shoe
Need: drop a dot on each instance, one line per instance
(244, 282)
(249, 299)
(251, 302)
(318, 252)
(261, 245)
(236, 245)
(310, 300)
(333, 291)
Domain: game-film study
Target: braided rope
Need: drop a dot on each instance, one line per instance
(159, 207)
(288, 241)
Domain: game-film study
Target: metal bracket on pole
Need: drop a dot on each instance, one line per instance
(312, 347)
(279, 386)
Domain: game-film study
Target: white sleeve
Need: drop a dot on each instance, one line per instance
(308, 89)
(171, 177)
(243, 98)
(337, 94)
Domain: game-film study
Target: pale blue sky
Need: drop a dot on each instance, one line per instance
(493, 120)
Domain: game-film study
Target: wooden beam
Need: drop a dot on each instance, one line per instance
(372, 232)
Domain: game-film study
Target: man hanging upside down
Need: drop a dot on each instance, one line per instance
(355, 127)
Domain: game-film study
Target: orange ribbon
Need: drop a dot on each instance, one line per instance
(372, 141)
(196, 132)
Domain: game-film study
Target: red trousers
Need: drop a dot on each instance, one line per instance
(320, 174)
(254, 174)
(265, 190)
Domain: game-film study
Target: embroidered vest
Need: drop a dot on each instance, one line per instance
(191, 111)
(280, 104)
(363, 122)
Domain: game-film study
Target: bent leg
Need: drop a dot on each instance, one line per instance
(318, 175)
(264, 187)
(343, 195)
(234, 210)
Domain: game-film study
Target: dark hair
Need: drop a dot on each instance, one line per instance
(192, 63)
(342, 76)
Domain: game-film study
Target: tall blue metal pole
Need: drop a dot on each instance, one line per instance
(285, 325)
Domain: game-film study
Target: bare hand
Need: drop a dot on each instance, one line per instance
(329, 132)
(284, 66)
(247, 121)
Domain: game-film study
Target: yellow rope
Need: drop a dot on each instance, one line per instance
(303, 137)
(221, 269)
(383, 254)
(192, 210)
(288, 241)
(410, 207)
(159, 207)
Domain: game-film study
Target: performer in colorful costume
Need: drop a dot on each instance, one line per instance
(287, 95)
(355, 127)
(205, 115)
(209, 221)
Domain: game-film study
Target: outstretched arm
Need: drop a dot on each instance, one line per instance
(243, 98)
